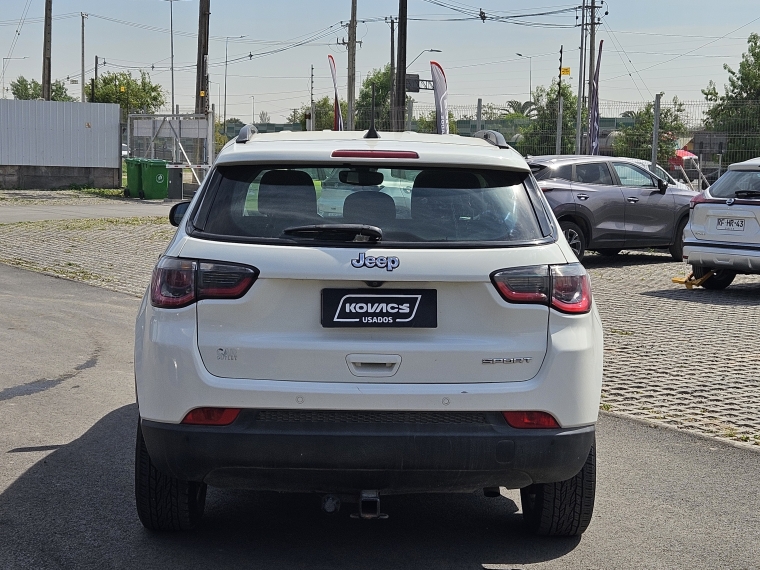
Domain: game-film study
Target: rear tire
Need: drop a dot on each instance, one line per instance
(564, 508)
(575, 237)
(163, 502)
(676, 250)
(608, 252)
(722, 278)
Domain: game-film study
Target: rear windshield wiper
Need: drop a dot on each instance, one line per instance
(746, 193)
(336, 232)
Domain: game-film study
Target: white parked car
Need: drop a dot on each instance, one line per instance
(660, 172)
(723, 233)
(451, 347)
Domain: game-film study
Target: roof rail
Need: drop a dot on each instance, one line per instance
(246, 133)
(493, 137)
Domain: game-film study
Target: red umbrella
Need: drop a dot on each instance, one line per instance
(685, 154)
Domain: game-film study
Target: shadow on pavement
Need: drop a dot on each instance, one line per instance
(625, 259)
(738, 294)
(75, 509)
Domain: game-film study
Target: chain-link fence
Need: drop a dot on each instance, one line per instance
(697, 139)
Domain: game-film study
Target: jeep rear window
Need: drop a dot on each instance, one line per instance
(257, 203)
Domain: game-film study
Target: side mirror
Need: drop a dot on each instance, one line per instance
(662, 185)
(178, 212)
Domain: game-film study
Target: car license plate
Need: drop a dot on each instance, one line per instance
(731, 224)
(417, 308)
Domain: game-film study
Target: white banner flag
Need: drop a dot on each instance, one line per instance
(441, 93)
(338, 118)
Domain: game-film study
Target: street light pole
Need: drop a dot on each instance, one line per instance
(226, 44)
(6, 59)
(423, 51)
(530, 74)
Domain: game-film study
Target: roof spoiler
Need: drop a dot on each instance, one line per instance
(246, 133)
(493, 137)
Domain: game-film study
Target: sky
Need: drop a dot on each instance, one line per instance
(650, 46)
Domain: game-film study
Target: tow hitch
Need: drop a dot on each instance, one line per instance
(369, 506)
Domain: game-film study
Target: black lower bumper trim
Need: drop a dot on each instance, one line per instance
(331, 456)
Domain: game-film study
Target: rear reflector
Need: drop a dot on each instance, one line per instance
(400, 154)
(530, 420)
(211, 416)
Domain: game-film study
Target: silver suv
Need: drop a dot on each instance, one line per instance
(723, 234)
(608, 204)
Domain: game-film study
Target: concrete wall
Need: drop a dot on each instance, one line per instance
(54, 177)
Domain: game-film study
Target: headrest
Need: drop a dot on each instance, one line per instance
(369, 207)
(287, 192)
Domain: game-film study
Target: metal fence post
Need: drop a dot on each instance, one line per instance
(409, 114)
(479, 123)
(656, 131)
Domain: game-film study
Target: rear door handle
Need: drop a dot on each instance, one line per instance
(632, 199)
(582, 196)
(373, 365)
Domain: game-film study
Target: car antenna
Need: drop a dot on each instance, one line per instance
(372, 132)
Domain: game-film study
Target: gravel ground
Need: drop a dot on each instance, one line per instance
(687, 359)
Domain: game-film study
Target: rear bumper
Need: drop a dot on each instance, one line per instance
(734, 257)
(328, 455)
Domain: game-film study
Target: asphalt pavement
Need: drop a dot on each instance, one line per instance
(664, 499)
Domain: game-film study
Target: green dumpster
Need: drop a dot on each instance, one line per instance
(134, 177)
(155, 180)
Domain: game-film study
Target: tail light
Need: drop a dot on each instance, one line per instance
(566, 288)
(180, 282)
(530, 420)
(211, 416)
(701, 198)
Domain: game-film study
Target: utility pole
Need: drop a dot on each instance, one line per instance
(558, 149)
(171, 40)
(591, 61)
(202, 95)
(82, 79)
(581, 81)
(400, 95)
(351, 67)
(47, 50)
(393, 73)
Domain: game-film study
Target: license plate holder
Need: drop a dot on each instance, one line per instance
(730, 224)
(389, 308)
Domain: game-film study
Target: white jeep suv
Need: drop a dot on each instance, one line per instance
(452, 347)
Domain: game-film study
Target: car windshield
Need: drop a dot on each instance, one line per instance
(734, 181)
(414, 206)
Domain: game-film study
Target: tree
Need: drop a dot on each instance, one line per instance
(27, 90)
(540, 136)
(516, 109)
(737, 112)
(263, 117)
(132, 94)
(635, 141)
(427, 123)
(324, 114)
(381, 79)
